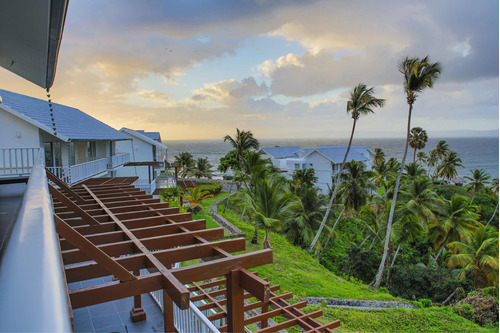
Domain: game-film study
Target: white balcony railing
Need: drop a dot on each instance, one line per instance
(145, 186)
(17, 161)
(82, 171)
(118, 159)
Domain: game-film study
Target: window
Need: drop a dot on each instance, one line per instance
(91, 151)
(297, 166)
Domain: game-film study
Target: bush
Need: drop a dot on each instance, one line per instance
(479, 307)
(426, 303)
(488, 205)
(420, 281)
(212, 188)
(447, 191)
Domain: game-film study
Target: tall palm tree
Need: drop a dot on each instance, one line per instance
(478, 254)
(361, 102)
(459, 221)
(418, 74)
(422, 157)
(414, 170)
(270, 204)
(418, 139)
(242, 142)
(448, 167)
(186, 162)
(355, 185)
(442, 148)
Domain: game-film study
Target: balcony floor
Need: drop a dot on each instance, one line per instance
(11, 198)
(115, 316)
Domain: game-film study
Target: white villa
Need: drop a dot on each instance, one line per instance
(325, 160)
(147, 155)
(80, 148)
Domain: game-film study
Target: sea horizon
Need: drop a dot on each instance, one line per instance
(475, 152)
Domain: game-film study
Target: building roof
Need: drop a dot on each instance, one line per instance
(336, 154)
(30, 35)
(281, 152)
(143, 137)
(153, 135)
(71, 123)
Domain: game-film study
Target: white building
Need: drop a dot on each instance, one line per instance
(79, 148)
(144, 149)
(325, 160)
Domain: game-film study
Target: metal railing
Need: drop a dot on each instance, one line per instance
(192, 319)
(33, 292)
(17, 161)
(118, 159)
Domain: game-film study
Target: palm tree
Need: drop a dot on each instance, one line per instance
(448, 167)
(270, 204)
(186, 162)
(478, 254)
(419, 74)
(459, 221)
(196, 196)
(442, 148)
(420, 198)
(242, 142)
(478, 181)
(355, 184)
(408, 228)
(494, 188)
(418, 139)
(305, 218)
(422, 157)
(361, 102)
(202, 168)
(414, 170)
(378, 156)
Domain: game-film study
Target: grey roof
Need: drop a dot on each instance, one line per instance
(153, 135)
(281, 152)
(336, 153)
(71, 124)
(140, 135)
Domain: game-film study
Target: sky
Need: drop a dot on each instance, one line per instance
(199, 69)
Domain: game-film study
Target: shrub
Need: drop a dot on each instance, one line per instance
(426, 303)
(488, 205)
(479, 307)
(447, 191)
(212, 188)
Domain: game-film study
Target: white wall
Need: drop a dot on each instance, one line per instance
(142, 152)
(17, 133)
(322, 168)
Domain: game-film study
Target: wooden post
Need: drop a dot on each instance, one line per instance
(168, 313)
(265, 308)
(137, 313)
(235, 305)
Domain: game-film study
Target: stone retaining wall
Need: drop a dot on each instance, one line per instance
(359, 303)
(228, 226)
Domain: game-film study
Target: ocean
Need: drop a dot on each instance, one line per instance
(476, 153)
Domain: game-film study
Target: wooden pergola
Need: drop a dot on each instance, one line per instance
(111, 228)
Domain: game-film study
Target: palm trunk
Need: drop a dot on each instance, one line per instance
(243, 213)
(492, 216)
(434, 263)
(255, 238)
(378, 277)
(414, 154)
(227, 199)
(373, 241)
(334, 194)
(331, 232)
(366, 238)
(267, 240)
(395, 255)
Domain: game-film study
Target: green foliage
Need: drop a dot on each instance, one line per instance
(420, 281)
(426, 303)
(479, 307)
(211, 188)
(304, 178)
(171, 194)
(447, 191)
(229, 161)
(488, 204)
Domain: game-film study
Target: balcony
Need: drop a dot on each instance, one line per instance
(145, 186)
(17, 162)
(118, 160)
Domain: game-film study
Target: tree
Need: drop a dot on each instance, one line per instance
(186, 162)
(361, 102)
(378, 156)
(270, 204)
(202, 168)
(195, 197)
(229, 161)
(354, 186)
(448, 167)
(242, 142)
(418, 139)
(303, 178)
(414, 170)
(418, 74)
(459, 220)
(422, 157)
(477, 181)
(478, 254)
(305, 218)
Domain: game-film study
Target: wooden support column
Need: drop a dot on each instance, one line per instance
(265, 309)
(235, 302)
(137, 313)
(168, 313)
